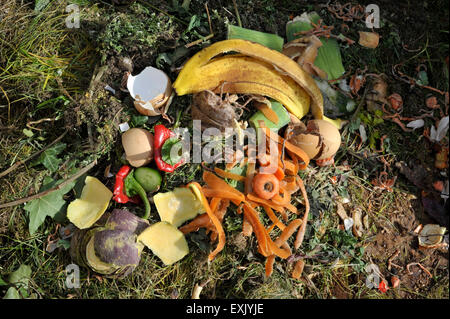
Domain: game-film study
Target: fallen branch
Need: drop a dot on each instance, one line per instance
(20, 162)
(51, 190)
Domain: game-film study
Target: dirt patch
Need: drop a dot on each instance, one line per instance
(395, 246)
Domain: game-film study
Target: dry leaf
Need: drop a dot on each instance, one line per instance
(369, 39)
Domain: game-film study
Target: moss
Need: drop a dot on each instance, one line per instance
(137, 29)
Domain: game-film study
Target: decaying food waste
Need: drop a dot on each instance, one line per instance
(281, 91)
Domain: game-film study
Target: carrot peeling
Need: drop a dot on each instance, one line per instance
(218, 225)
(301, 232)
(229, 175)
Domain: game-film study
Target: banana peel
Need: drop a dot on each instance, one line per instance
(192, 72)
(242, 74)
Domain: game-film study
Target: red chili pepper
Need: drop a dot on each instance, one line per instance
(162, 134)
(119, 188)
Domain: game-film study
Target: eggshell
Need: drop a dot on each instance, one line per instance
(320, 140)
(138, 146)
(431, 236)
(151, 89)
(331, 137)
(309, 143)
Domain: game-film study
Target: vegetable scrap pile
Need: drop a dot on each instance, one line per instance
(225, 79)
(253, 72)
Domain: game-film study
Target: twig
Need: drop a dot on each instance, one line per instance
(29, 124)
(48, 191)
(198, 289)
(209, 19)
(390, 263)
(237, 13)
(360, 104)
(20, 162)
(209, 36)
(9, 104)
(420, 265)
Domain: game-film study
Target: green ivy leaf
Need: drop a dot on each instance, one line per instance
(48, 205)
(20, 280)
(2, 282)
(49, 158)
(12, 293)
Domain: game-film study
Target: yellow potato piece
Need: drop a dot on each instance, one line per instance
(86, 210)
(165, 241)
(177, 206)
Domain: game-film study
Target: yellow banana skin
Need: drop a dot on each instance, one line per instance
(283, 64)
(254, 77)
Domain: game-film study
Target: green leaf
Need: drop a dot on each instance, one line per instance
(21, 276)
(49, 158)
(422, 78)
(269, 40)
(329, 57)
(171, 151)
(27, 132)
(48, 205)
(63, 243)
(12, 293)
(193, 23)
(2, 282)
(138, 120)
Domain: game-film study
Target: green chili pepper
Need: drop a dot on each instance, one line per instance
(132, 188)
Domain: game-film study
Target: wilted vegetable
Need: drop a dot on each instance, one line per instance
(138, 146)
(165, 241)
(177, 206)
(377, 95)
(86, 210)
